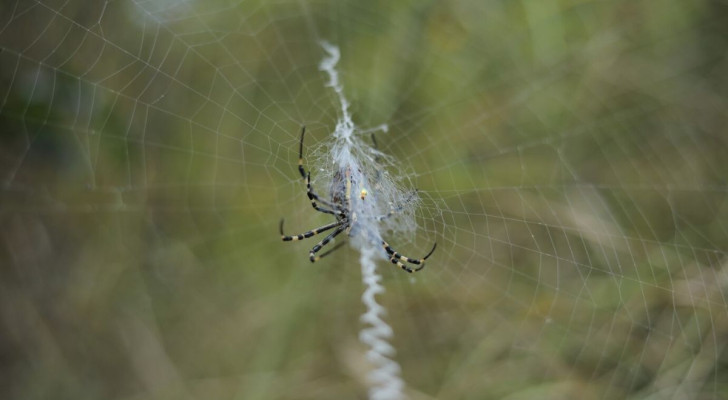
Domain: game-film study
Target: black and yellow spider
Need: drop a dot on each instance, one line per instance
(340, 206)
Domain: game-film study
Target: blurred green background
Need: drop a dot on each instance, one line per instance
(571, 158)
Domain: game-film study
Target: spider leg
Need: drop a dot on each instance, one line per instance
(397, 258)
(310, 233)
(300, 154)
(309, 191)
(314, 198)
(312, 254)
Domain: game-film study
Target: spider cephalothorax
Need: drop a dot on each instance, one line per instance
(340, 206)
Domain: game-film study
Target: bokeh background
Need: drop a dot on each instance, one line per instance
(570, 156)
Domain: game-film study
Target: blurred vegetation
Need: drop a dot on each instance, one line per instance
(570, 155)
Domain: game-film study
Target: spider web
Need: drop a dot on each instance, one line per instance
(569, 161)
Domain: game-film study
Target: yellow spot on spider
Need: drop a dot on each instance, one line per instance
(363, 194)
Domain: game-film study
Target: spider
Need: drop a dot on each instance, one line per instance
(339, 206)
